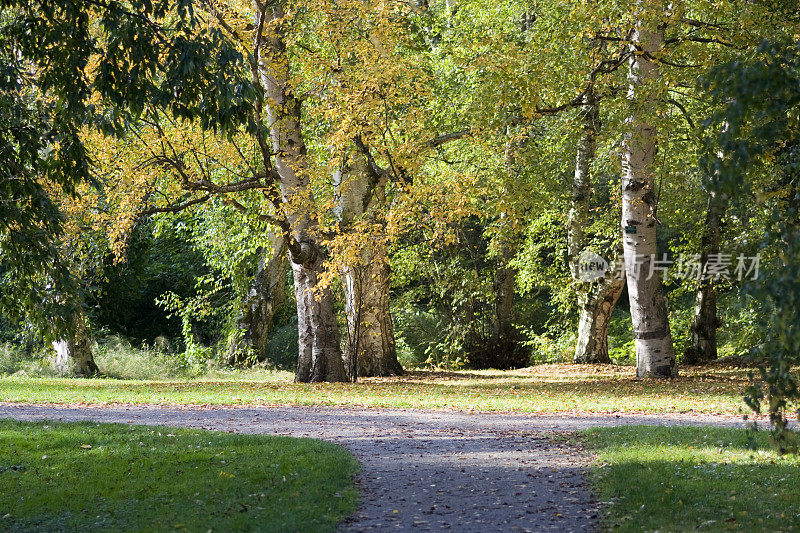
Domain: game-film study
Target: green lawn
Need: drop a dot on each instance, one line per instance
(544, 388)
(682, 479)
(108, 477)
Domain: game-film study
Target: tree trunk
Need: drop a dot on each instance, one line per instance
(370, 340)
(582, 183)
(266, 296)
(504, 285)
(73, 355)
(595, 307)
(596, 297)
(655, 355)
(504, 350)
(319, 350)
(320, 354)
(370, 346)
(706, 322)
(505, 341)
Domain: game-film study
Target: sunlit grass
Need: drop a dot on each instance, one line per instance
(545, 388)
(109, 477)
(682, 479)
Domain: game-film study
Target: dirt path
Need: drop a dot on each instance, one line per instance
(422, 470)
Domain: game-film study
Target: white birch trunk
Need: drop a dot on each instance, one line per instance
(655, 355)
(73, 354)
(370, 345)
(319, 350)
(596, 299)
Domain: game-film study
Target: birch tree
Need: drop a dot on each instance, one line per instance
(369, 345)
(596, 297)
(320, 354)
(655, 355)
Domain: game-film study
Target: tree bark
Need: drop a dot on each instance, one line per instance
(595, 307)
(370, 345)
(655, 355)
(596, 298)
(504, 337)
(319, 350)
(320, 353)
(73, 355)
(267, 295)
(582, 182)
(504, 284)
(706, 322)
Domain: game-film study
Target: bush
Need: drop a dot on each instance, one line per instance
(426, 338)
(12, 358)
(742, 330)
(558, 347)
(680, 326)
(16, 360)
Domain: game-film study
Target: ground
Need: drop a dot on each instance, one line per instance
(468, 451)
(538, 389)
(421, 469)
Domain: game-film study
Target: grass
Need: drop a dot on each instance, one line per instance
(706, 479)
(108, 477)
(544, 388)
(13, 359)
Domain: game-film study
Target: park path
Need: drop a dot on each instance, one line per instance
(422, 470)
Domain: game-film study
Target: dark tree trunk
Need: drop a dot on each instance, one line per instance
(507, 352)
(706, 322)
(504, 285)
(267, 295)
(503, 349)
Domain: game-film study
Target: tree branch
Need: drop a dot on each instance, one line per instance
(683, 111)
(175, 208)
(447, 137)
(701, 24)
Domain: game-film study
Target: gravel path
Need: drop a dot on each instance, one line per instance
(422, 470)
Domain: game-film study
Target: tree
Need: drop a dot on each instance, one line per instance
(757, 118)
(655, 355)
(370, 345)
(68, 68)
(40, 155)
(705, 321)
(74, 353)
(597, 301)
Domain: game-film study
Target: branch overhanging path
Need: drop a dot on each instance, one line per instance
(422, 470)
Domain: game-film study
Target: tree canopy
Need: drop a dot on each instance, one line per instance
(483, 184)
